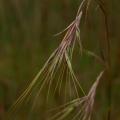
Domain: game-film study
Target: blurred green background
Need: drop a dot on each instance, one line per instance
(26, 41)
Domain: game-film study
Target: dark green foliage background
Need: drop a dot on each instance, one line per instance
(26, 41)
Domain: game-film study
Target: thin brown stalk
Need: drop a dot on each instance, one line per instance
(108, 57)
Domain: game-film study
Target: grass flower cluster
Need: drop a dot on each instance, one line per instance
(58, 70)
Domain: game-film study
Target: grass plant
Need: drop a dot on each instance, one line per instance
(59, 69)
